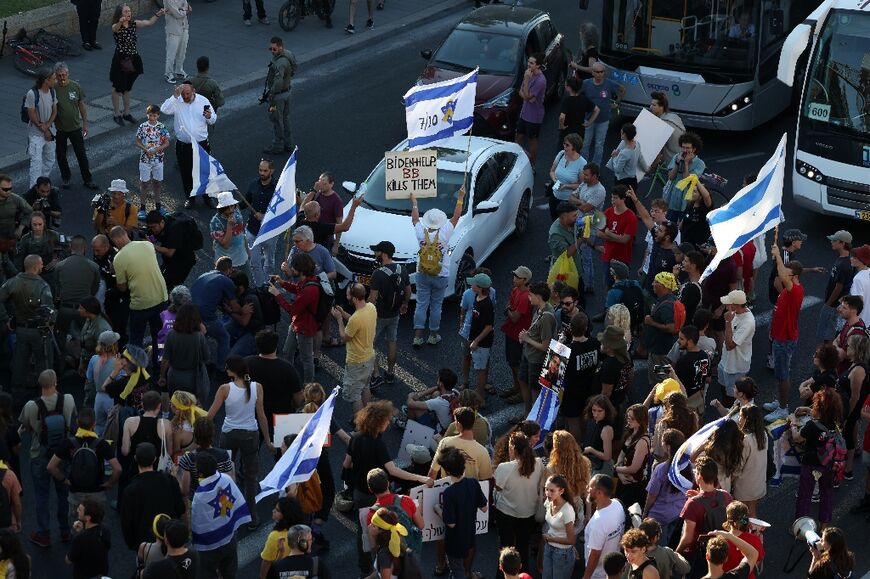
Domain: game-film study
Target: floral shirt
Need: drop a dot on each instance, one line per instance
(152, 136)
(237, 251)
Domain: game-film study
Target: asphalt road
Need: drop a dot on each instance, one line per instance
(346, 113)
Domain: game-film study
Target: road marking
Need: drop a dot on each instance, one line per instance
(739, 157)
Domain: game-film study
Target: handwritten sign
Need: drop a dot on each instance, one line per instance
(411, 172)
(433, 525)
(415, 433)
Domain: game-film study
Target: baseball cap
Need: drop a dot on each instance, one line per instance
(862, 254)
(620, 270)
(841, 235)
(384, 247)
(481, 280)
(734, 298)
(523, 272)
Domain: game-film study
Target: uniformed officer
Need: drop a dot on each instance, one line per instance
(28, 292)
(116, 303)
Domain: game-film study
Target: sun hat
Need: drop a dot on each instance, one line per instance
(434, 219)
(119, 185)
(226, 199)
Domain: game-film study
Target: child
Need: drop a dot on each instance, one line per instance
(89, 550)
(460, 503)
(509, 563)
(152, 137)
(614, 564)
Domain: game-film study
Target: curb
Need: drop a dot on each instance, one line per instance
(13, 162)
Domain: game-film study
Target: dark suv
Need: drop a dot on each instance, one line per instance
(499, 39)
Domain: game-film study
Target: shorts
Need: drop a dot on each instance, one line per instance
(728, 380)
(480, 358)
(150, 171)
(697, 401)
(356, 377)
(529, 372)
(513, 353)
(782, 354)
(389, 327)
(531, 130)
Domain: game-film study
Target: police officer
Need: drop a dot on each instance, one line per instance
(281, 70)
(77, 278)
(116, 303)
(28, 292)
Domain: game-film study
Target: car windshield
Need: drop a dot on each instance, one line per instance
(838, 89)
(493, 53)
(449, 183)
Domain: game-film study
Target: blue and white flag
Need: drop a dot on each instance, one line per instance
(300, 460)
(434, 112)
(682, 458)
(218, 509)
(281, 213)
(754, 210)
(209, 177)
(544, 411)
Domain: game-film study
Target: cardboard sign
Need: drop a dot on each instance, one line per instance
(415, 433)
(652, 134)
(411, 172)
(285, 424)
(433, 525)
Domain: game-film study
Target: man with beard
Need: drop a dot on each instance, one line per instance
(390, 292)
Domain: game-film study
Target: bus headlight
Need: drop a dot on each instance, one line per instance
(810, 172)
(736, 105)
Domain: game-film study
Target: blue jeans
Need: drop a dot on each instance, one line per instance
(782, 354)
(826, 329)
(242, 340)
(262, 260)
(215, 329)
(245, 446)
(588, 257)
(558, 563)
(596, 133)
(430, 299)
(42, 482)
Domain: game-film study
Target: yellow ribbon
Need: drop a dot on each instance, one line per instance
(587, 226)
(154, 523)
(3, 465)
(689, 184)
(134, 377)
(82, 433)
(4, 568)
(397, 531)
(192, 409)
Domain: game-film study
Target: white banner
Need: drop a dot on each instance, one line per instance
(411, 172)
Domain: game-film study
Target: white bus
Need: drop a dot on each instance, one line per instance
(715, 60)
(832, 148)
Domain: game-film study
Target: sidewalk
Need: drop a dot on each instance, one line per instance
(239, 58)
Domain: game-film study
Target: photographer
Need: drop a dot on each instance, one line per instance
(112, 208)
(45, 197)
(831, 557)
(116, 303)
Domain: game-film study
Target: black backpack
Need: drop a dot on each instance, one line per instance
(193, 239)
(632, 298)
(53, 425)
(714, 510)
(393, 301)
(326, 299)
(85, 467)
(269, 306)
(25, 118)
(5, 504)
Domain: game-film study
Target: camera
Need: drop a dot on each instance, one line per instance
(102, 202)
(42, 204)
(662, 369)
(43, 317)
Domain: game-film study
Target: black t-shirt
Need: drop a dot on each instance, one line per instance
(812, 434)
(259, 196)
(460, 502)
(482, 315)
(660, 259)
(409, 564)
(89, 553)
(741, 571)
(841, 272)
(576, 109)
(366, 453)
(620, 375)
(718, 284)
(823, 379)
(173, 237)
(690, 296)
(695, 229)
(581, 381)
(391, 288)
(591, 52)
(323, 232)
(184, 566)
(101, 448)
(280, 382)
(298, 567)
(693, 369)
(255, 323)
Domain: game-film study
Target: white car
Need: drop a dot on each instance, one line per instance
(497, 205)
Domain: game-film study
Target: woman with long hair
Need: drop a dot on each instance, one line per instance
(559, 540)
(745, 392)
(185, 412)
(518, 490)
(726, 448)
(598, 443)
(619, 316)
(285, 513)
(14, 562)
(737, 523)
(565, 459)
(393, 557)
(100, 367)
(854, 387)
(825, 360)
(588, 53)
(530, 428)
(749, 484)
(203, 438)
(664, 501)
(677, 415)
(95, 323)
(832, 559)
(243, 401)
(126, 62)
(631, 466)
(185, 354)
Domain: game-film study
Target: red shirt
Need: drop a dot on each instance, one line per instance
(407, 503)
(620, 224)
(847, 331)
(735, 556)
(694, 511)
(743, 259)
(303, 307)
(518, 302)
(867, 430)
(784, 325)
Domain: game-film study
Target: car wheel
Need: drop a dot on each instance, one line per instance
(522, 219)
(463, 272)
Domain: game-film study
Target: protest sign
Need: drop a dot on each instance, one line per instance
(415, 433)
(555, 363)
(433, 525)
(652, 134)
(292, 424)
(411, 172)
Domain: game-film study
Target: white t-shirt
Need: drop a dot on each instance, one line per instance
(47, 100)
(603, 533)
(519, 495)
(443, 239)
(557, 522)
(441, 407)
(738, 360)
(861, 287)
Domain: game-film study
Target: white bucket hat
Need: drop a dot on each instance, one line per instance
(434, 219)
(119, 185)
(226, 199)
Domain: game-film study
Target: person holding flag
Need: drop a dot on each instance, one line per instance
(227, 229)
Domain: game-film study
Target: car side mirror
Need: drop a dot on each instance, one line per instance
(486, 207)
(349, 186)
(426, 53)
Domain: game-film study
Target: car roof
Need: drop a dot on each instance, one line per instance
(509, 19)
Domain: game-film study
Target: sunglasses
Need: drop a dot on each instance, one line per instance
(568, 303)
(6, 189)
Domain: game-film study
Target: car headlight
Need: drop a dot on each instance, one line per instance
(736, 105)
(810, 172)
(500, 101)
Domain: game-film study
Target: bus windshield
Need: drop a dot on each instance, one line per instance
(688, 35)
(838, 90)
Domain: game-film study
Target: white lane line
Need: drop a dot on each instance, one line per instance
(738, 157)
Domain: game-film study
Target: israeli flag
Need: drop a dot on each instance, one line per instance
(281, 213)
(682, 457)
(218, 509)
(300, 460)
(434, 112)
(209, 177)
(756, 209)
(544, 411)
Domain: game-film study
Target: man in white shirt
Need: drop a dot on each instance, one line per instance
(737, 346)
(605, 527)
(193, 114)
(861, 280)
(589, 198)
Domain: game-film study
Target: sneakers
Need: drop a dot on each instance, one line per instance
(778, 414)
(849, 475)
(350, 29)
(390, 378)
(434, 339)
(418, 341)
(142, 215)
(370, 24)
(247, 21)
(40, 539)
(770, 406)
(263, 20)
(770, 362)
(375, 382)
(170, 78)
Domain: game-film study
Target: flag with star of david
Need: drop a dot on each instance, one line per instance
(209, 177)
(217, 510)
(438, 111)
(281, 213)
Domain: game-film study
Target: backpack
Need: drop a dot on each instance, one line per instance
(193, 239)
(714, 510)
(269, 306)
(327, 297)
(430, 255)
(832, 451)
(679, 315)
(25, 118)
(632, 298)
(310, 495)
(392, 302)
(54, 429)
(5, 504)
(85, 467)
(414, 540)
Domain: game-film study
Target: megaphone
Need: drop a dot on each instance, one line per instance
(805, 528)
(599, 220)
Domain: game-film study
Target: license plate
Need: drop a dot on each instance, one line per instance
(363, 279)
(863, 215)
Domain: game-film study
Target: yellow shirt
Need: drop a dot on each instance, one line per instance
(136, 265)
(275, 547)
(360, 331)
(129, 220)
(477, 462)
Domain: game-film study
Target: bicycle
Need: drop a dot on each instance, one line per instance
(29, 58)
(292, 11)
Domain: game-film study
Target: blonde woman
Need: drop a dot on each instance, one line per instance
(185, 412)
(619, 316)
(567, 460)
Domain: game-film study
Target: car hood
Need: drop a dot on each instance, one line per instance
(370, 227)
(488, 85)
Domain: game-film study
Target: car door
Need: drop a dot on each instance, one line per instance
(492, 189)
